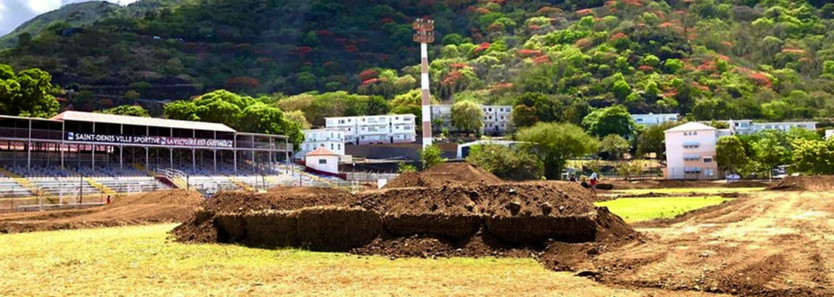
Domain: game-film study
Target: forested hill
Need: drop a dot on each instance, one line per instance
(79, 14)
(715, 59)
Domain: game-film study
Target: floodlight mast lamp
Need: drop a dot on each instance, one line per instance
(424, 34)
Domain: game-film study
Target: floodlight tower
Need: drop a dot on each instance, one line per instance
(424, 34)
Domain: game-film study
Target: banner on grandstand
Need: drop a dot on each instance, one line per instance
(150, 140)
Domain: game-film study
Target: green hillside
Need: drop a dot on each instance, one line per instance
(713, 59)
(79, 14)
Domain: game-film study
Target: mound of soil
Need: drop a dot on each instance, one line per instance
(804, 183)
(445, 174)
(304, 191)
(145, 208)
(466, 219)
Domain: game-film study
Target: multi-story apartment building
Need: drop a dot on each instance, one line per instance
(331, 139)
(654, 119)
(496, 118)
(746, 127)
(398, 128)
(690, 152)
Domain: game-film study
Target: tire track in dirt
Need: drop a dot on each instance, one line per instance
(771, 244)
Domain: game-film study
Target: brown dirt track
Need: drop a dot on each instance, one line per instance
(147, 208)
(769, 244)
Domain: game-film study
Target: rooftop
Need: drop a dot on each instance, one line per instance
(691, 126)
(140, 121)
(321, 151)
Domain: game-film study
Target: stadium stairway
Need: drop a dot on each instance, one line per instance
(23, 182)
(241, 184)
(100, 187)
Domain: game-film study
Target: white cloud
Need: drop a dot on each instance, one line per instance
(41, 6)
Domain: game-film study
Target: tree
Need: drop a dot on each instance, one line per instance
(730, 154)
(653, 140)
(545, 108)
(615, 146)
(404, 167)
(770, 150)
(131, 95)
(297, 116)
(29, 93)
(813, 156)
(243, 113)
(467, 116)
(610, 120)
(553, 144)
(127, 110)
(629, 169)
(505, 162)
(431, 156)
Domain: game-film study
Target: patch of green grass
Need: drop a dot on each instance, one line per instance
(644, 209)
(688, 190)
(141, 260)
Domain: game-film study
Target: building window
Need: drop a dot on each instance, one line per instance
(322, 161)
(708, 160)
(692, 170)
(640, 120)
(708, 172)
(692, 146)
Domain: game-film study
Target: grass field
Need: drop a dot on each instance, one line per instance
(705, 191)
(142, 261)
(644, 209)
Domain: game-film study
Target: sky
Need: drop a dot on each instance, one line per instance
(16, 12)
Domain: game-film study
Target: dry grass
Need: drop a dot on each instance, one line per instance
(142, 261)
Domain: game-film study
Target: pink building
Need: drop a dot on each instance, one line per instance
(690, 152)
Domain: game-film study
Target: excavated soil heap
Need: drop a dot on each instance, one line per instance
(145, 208)
(444, 174)
(804, 183)
(518, 219)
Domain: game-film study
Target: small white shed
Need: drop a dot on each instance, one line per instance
(322, 160)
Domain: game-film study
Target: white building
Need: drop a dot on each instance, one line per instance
(828, 134)
(747, 127)
(398, 128)
(322, 160)
(654, 119)
(331, 139)
(496, 118)
(690, 152)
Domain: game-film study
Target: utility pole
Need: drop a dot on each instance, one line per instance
(424, 34)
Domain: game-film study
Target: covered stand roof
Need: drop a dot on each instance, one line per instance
(140, 121)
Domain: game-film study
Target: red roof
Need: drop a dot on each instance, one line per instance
(321, 151)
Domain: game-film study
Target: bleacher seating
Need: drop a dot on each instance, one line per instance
(113, 178)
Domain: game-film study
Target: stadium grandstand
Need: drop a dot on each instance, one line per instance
(77, 154)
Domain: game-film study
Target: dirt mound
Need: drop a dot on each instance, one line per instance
(304, 191)
(477, 219)
(242, 201)
(444, 174)
(804, 183)
(153, 207)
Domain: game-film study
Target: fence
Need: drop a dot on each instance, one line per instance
(70, 194)
(370, 177)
